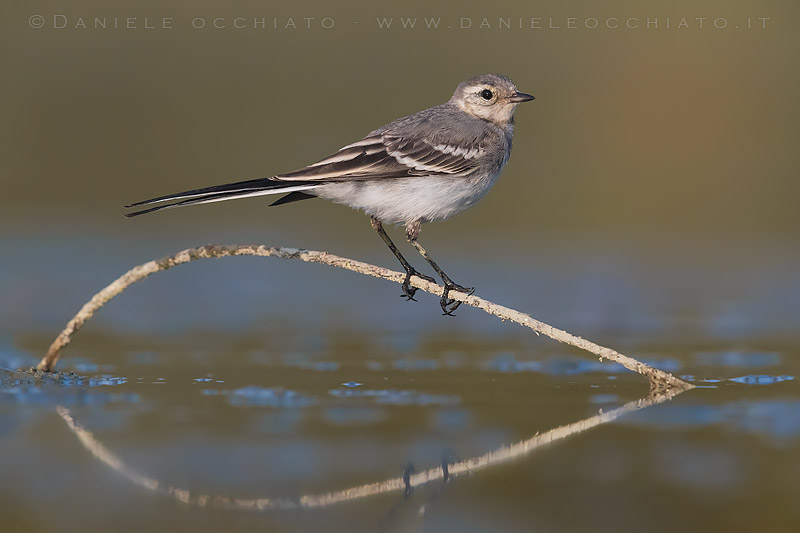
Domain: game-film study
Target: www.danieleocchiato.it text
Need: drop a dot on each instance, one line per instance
(571, 23)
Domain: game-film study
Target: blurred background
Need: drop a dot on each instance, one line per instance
(650, 203)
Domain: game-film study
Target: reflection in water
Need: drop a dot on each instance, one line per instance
(254, 396)
(738, 359)
(63, 388)
(271, 425)
(355, 415)
(406, 482)
(751, 379)
(761, 379)
(775, 421)
(398, 397)
(38, 396)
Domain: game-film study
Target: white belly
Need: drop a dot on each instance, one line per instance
(406, 200)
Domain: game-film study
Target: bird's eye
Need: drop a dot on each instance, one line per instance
(486, 94)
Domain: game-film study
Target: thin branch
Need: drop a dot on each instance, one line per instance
(492, 458)
(658, 378)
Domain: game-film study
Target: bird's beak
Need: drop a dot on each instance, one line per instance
(518, 97)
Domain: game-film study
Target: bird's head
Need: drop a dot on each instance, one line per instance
(492, 97)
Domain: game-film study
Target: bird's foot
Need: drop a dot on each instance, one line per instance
(408, 470)
(448, 304)
(408, 290)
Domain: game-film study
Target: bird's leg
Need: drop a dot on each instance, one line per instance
(448, 305)
(408, 470)
(408, 290)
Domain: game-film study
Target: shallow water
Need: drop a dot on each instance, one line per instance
(214, 380)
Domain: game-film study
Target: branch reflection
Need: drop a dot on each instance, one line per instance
(403, 483)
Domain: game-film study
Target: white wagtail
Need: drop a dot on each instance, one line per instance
(420, 168)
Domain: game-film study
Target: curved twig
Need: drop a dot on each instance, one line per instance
(494, 457)
(658, 378)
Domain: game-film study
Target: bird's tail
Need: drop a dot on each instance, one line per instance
(229, 191)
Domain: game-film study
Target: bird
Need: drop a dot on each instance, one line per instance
(421, 168)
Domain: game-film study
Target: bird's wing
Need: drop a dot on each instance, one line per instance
(389, 155)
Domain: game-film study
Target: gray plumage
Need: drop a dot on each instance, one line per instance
(420, 168)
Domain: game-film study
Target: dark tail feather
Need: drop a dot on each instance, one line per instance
(218, 193)
(249, 185)
(295, 196)
(191, 201)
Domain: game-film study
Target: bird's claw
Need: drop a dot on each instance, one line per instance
(408, 290)
(449, 304)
